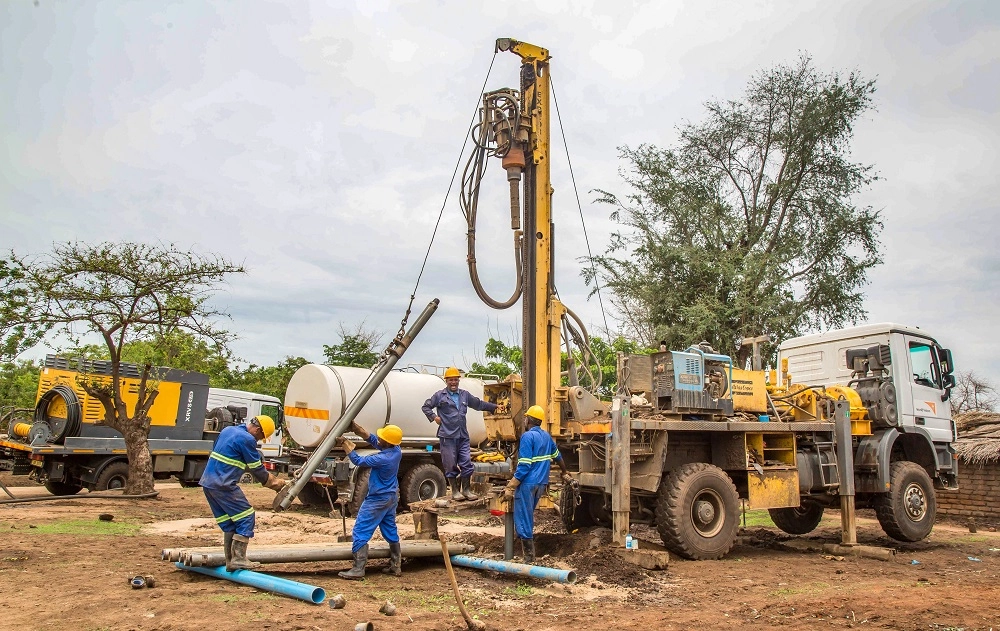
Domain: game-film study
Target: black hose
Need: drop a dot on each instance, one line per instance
(6, 490)
(48, 498)
(73, 421)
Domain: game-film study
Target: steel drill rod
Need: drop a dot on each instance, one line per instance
(396, 350)
(217, 558)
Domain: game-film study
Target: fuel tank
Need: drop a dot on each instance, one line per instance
(318, 395)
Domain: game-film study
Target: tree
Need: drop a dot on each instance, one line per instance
(177, 349)
(504, 360)
(122, 292)
(359, 347)
(19, 384)
(749, 225)
(272, 380)
(973, 393)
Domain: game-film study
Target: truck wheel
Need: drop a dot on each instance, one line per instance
(907, 511)
(422, 482)
(62, 488)
(112, 477)
(360, 490)
(697, 512)
(312, 494)
(799, 520)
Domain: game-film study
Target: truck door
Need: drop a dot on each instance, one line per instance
(922, 405)
(271, 448)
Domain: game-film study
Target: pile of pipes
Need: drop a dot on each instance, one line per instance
(306, 552)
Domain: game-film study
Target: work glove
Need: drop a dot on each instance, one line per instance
(508, 491)
(567, 478)
(275, 482)
(345, 444)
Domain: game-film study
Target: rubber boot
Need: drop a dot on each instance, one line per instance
(239, 561)
(528, 549)
(467, 488)
(395, 560)
(360, 559)
(456, 489)
(227, 545)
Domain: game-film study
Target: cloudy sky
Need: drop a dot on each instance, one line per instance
(316, 141)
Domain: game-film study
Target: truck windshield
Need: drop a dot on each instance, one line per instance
(924, 365)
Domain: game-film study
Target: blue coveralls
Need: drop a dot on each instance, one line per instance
(235, 451)
(535, 454)
(379, 507)
(453, 434)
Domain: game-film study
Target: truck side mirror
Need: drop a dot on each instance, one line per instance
(947, 365)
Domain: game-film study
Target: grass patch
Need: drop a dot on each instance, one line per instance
(80, 527)
(520, 590)
(809, 588)
(756, 518)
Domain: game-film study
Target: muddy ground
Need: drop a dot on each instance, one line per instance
(63, 568)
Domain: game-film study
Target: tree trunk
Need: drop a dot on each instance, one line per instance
(140, 461)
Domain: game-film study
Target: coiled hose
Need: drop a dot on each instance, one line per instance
(73, 417)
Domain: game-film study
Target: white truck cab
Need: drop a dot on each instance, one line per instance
(255, 403)
(904, 378)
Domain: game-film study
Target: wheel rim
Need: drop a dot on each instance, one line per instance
(428, 490)
(708, 513)
(116, 482)
(915, 502)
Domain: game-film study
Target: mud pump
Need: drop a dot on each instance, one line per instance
(690, 437)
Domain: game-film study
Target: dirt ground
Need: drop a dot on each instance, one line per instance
(63, 568)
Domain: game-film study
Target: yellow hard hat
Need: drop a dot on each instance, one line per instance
(537, 412)
(390, 434)
(452, 372)
(266, 423)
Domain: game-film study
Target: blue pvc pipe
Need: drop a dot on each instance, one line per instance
(283, 586)
(519, 569)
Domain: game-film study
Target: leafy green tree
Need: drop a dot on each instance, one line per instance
(19, 383)
(176, 349)
(607, 356)
(272, 380)
(359, 347)
(121, 292)
(503, 360)
(749, 224)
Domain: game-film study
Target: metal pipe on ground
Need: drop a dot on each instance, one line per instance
(283, 586)
(215, 557)
(516, 569)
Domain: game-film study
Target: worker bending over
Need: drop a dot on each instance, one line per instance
(452, 403)
(379, 507)
(234, 453)
(535, 453)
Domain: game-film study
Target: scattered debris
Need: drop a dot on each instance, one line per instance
(388, 608)
(138, 582)
(975, 559)
(106, 517)
(914, 562)
(338, 601)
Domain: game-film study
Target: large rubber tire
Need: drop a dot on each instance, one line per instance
(112, 477)
(800, 520)
(697, 512)
(360, 490)
(312, 494)
(423, 482)
(62, 488)
(907, 511)
(574, 516)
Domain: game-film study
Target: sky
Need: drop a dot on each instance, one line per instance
(315, 142)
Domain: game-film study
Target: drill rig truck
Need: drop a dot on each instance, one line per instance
(855, 418)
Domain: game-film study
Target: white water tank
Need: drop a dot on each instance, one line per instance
(318, 395)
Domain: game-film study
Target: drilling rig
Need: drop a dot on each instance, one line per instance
(690, 438)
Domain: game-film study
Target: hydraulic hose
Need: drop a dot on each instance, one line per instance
(90, 496)
(72, 424)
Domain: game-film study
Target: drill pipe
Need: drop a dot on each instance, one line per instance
(216, 558)
(283, 586)
(395, 350)
(517, 569)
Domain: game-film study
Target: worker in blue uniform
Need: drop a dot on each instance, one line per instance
(235, 453)
(379, 506)
(452, 404)
(535, 453)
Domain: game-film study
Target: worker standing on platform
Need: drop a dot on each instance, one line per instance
(535, 454)
(234, 452)
(452, 403)
(379, 507)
